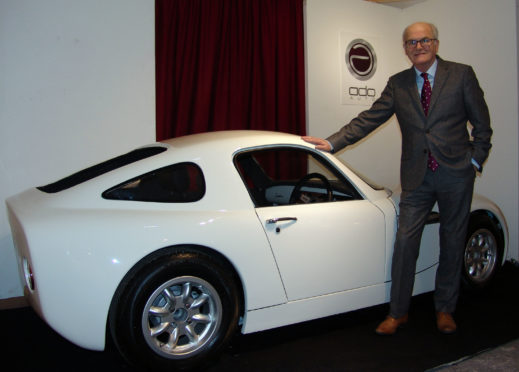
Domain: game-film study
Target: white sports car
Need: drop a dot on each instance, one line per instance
(173, 247)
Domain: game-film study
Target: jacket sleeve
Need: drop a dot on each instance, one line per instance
(366, 122)
(478, 116)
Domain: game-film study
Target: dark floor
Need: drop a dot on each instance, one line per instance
(341, 343)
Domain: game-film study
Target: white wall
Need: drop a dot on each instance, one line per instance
(77, 85)
(478, 32)
(325, 20)
(485, 36)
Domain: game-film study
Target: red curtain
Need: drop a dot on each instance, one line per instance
(229, 64)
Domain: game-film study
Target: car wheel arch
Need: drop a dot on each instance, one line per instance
(185, 248)
(501, 237)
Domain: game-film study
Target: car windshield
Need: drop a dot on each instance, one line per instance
(366, 179)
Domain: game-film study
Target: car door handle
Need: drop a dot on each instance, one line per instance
(281, 219)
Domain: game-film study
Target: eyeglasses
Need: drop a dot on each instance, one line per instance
(425, 42)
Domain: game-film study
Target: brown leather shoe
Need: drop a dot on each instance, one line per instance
(445, 323)
(390, 325)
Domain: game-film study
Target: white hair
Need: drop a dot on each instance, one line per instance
(432, 26)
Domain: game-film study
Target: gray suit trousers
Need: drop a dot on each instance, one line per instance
(454, 196)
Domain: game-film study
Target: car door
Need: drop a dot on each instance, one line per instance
(321, 244)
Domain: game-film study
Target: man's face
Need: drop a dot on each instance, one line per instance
(421, 56)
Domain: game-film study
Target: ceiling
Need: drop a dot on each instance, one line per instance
(398, 3)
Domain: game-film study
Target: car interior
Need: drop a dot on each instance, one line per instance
(287, 175)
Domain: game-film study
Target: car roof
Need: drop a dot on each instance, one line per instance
(234, 139)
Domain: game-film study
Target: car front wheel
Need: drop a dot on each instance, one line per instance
(483, 252)
(175, 311)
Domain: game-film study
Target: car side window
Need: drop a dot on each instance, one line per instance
(177, 183)
(287, 175)
(102, 168)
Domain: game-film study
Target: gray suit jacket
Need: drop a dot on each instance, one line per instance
(456, 98)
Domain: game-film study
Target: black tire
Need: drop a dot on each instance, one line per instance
(175, 310)
(483, 252)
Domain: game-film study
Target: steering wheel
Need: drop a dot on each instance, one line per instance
(296, 193)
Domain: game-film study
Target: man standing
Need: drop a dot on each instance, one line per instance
(433, 101)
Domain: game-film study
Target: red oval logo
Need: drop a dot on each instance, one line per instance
(361, 59)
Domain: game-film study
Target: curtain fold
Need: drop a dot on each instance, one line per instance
(229, 64)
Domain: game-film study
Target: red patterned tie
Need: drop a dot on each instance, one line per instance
(426, 93)
(426, 99)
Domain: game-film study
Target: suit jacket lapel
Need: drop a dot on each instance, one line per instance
(439, 81)
(413, 90)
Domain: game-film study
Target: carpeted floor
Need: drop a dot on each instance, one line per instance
(345, 342)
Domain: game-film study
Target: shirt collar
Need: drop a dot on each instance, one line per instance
(431, 71)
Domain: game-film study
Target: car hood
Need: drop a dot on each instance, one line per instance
(478, 202)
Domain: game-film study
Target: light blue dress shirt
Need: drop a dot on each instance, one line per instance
(431, 73)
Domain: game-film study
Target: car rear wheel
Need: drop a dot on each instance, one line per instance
(175, 311)
(483, 252)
